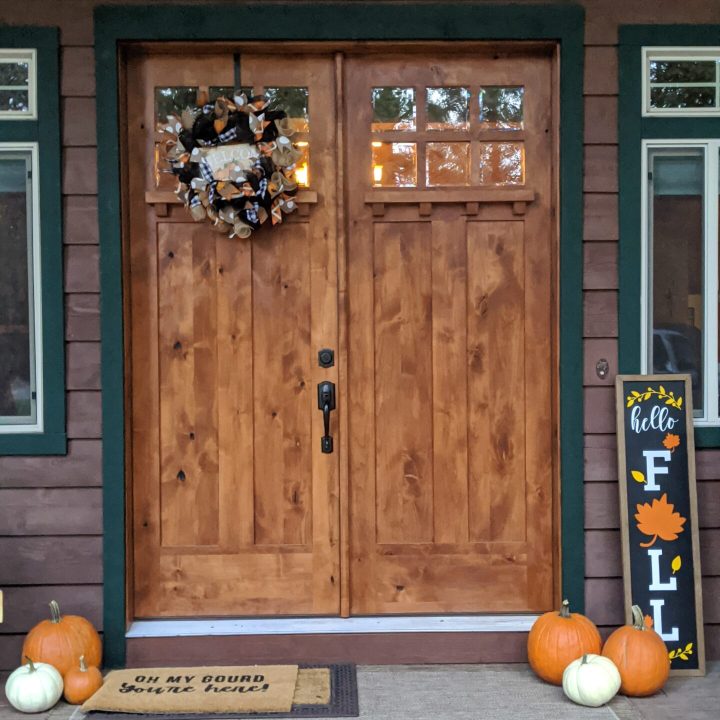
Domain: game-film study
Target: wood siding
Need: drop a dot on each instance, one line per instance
(50, 544)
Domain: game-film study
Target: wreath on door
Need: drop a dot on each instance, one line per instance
(234, 160)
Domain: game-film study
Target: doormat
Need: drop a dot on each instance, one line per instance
(321, 691)
(163, 691)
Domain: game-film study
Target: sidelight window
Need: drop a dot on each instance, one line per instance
(680, 283)
(20, 305)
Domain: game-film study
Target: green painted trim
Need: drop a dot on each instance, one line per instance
(46, 132)
(335, 21)
(632, 129)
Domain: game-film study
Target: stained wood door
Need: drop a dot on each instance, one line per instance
(451, 332)
(234, 508)
(433, 174)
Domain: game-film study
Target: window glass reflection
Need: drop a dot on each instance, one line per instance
(501, 108)
(501, 163)
(394, 164)
(447, 163)
(677, 212)
(393, 108)
(16, 322)
(447, 108)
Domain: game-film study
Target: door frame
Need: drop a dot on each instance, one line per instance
(371, 21)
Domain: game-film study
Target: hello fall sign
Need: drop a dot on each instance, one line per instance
(658, 510)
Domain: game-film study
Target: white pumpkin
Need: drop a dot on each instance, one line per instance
(34, 687)
(591, 680)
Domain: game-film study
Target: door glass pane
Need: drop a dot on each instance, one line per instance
(677, 247)
(394, 164)
(171, 101)
(447, 108)
(169, 105)
(17, 363)
(447, 163)
(393, 108)
(501, 163)
(501, 108)
(294, 101)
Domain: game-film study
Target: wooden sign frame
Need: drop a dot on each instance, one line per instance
(620, 395)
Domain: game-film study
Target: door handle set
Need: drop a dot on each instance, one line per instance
(326, 403)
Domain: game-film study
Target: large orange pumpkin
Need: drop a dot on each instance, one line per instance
(61, 640)
(82, 682)
(640, 655)
(558, 638)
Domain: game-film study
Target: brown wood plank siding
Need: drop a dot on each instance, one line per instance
(81, 468)
(51, 507)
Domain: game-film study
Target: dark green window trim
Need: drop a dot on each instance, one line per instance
(632, 129)
(46, 132)
(335, 21)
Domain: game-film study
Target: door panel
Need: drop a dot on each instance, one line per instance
(451, 331)
(235, 509)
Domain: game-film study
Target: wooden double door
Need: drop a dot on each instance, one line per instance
(423, 256)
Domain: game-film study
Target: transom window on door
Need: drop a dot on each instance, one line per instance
(447, 136)
(681, 267)
(170, 102)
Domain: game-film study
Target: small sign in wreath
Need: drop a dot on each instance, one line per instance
(234, 161)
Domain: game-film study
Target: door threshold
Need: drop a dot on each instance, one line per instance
(331, 625)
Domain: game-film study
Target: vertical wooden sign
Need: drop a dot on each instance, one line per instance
(658, 511)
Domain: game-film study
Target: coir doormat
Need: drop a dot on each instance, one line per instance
(321, 691)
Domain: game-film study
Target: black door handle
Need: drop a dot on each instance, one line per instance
(326, 403)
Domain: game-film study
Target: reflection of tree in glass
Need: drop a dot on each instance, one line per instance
(682, 71)
(173, 100)
(293, 100)
(394, 105)
(501, 164)
(447, 107)
(13, 73)
(682, 97)
(502, 107)
(16, 100)
(447, 163)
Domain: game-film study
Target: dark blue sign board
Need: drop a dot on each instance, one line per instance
(658, 511)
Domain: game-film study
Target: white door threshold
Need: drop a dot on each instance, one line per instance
(331, 625)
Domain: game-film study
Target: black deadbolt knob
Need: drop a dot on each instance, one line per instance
(326, 358)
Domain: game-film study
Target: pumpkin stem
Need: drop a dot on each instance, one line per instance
(31, 664)
(83, 666)
(638, 619)
(54, 612)
(565, 609)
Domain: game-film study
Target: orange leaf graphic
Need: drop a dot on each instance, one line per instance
(659, 520)
(671, 442)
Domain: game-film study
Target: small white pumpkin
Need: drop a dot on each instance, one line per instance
(591, 680)
(34, 687)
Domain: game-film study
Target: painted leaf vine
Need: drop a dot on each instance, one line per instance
(662, 394)
(676, 564)
(637, 476)
(682, 654)
(659, 520)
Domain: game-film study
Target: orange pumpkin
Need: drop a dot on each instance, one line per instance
(640, 655)
(82, 683)
(61, 640)
(558, 638)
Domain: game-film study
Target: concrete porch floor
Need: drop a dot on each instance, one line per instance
(492, 692)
